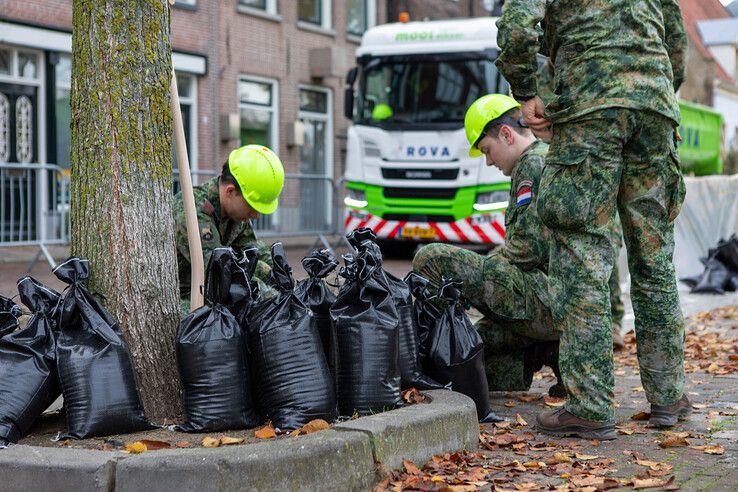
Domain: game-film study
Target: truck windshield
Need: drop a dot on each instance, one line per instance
(423, 92)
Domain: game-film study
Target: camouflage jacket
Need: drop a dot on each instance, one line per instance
(215, 232)
(605, 53)
(526, 238)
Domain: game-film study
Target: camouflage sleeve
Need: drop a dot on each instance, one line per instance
(518, 34)
(209, 236)
(526, 247)
(545, 82)
(675, 39)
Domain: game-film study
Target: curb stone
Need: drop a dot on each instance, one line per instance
(343, 458)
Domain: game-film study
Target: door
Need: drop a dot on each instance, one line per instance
(18, 144)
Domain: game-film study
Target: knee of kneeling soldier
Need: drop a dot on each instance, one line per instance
(422, 259)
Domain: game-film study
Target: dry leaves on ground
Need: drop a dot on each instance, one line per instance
(312, 426)
(266, 432)
(710, 449)
(215, 442)
(412, 396)
(145, 445)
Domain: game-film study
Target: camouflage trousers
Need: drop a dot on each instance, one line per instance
(624, 161)
(513, 302)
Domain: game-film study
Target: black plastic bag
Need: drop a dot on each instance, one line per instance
(9, 314)
(95, 370)
(410, 368)
(291, 376)
(727, 252)
(366, 321)
(425, 315)
(28, 380)
(216, 387)
(714, 278)
(457, 352)
(244, 290)
(317, 296)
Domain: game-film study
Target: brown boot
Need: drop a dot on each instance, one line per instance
(668, 415)
(618, 341)
(560, 422)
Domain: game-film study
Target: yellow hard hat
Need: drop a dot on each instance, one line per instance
(260, 175)
(481, 112)
(382, 111)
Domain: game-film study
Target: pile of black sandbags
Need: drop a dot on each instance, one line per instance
(70, 346)
(721, 270)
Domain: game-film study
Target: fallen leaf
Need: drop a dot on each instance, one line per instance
(707, 449)
(210, 442)
(266, 432)
(135, 448)
(315, 426)
(226, 440)
(529, 398)
(551, 401)
(640, 416)
(648, 464)
(698, 406)
(412, 395)
(562, 457)
(534, 465)
(295, 433)
(183, 444)
(155, 445)
(585, 457)
(520, 420)
(411, 468)
(673, 442)
(510, 404)
(648, 483)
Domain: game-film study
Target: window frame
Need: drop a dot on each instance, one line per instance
(273, 108)
(371, 19)
(326, 17)
(191, 99)
(270, 10)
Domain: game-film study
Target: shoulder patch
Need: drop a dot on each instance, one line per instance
(206, 234)
(524, 193)
(207, 207)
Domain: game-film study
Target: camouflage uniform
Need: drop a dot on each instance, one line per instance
(215, 232)
(509, 287)
(617, 64)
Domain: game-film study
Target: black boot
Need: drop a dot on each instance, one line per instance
(552, 361)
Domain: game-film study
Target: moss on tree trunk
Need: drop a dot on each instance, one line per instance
(122, 180)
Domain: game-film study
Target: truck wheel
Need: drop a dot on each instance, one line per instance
(401, 250)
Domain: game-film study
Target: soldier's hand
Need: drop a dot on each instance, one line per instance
(532, 110)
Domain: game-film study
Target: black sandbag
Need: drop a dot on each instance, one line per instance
(410, 368)
(714, 279)
(291, 376)
(425, 314)
(9, 314)
(95, 370)
(318, 297)
(366, 321)
(244, 290)
(727, 252)
(28, 379)
(457, 352)
(216, 388)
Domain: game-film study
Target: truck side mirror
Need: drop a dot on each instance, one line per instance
(348, 93)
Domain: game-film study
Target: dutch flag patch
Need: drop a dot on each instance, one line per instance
(524, 193)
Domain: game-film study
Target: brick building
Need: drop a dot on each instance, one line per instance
(249, 71)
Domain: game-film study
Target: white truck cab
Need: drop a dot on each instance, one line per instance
(408, 172)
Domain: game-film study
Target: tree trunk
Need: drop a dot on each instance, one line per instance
(122, 181)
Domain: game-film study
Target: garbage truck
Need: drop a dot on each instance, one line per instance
(408, 174)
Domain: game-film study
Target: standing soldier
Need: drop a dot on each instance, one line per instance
(249, 185)
(617, 65)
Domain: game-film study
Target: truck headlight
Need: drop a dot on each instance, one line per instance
(355, 198)
(491, 200)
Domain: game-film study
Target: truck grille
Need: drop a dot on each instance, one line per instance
(430, 193)
(448, 174)
(419, 218)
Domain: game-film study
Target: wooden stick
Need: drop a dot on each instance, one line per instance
(197, 275)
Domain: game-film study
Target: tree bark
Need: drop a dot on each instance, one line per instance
(121, 194)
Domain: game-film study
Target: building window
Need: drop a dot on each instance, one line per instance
(316, 157)
(316, 12)
(268, 6)
(361, 15)
(187, 91)
(185, 3)
(258, 107)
